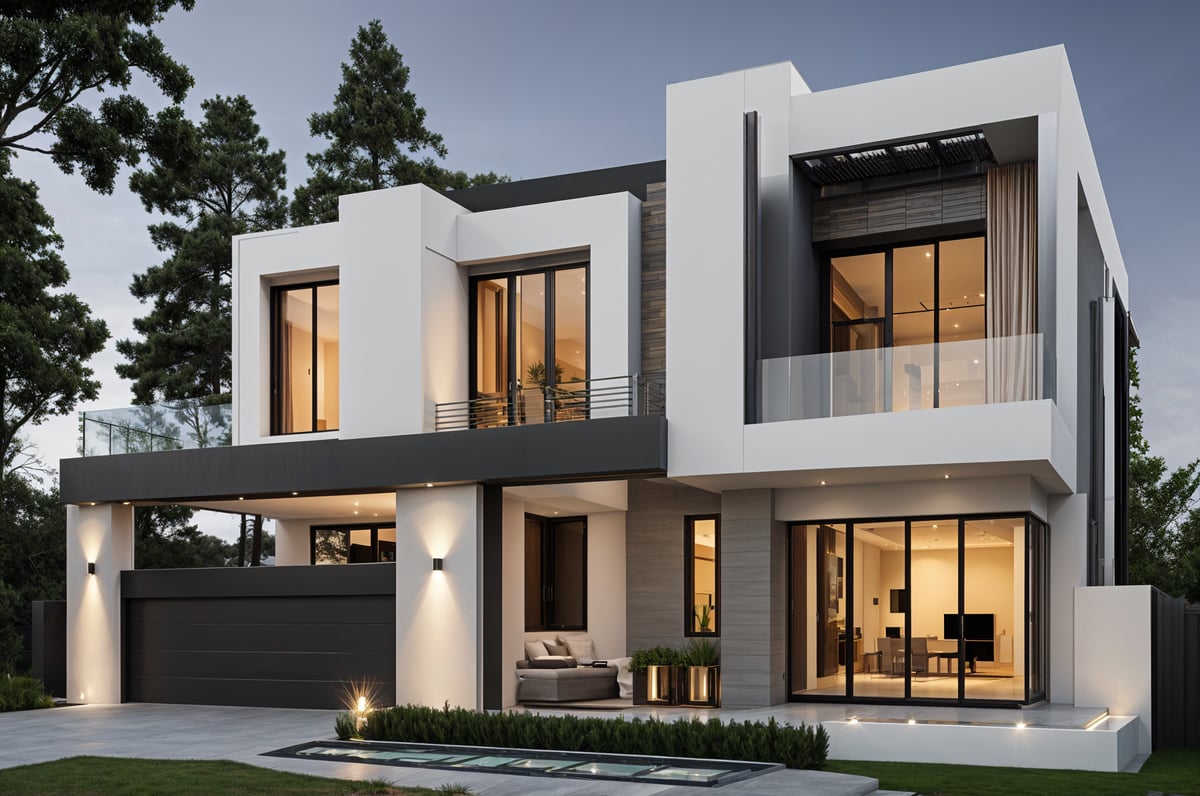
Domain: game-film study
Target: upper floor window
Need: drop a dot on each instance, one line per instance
(304, 358)
(522, 323)
(928, 299)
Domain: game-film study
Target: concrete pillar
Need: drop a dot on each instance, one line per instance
(438, 629)
(100, 535)
(1068, 569)
(753, 600)
(293, 543)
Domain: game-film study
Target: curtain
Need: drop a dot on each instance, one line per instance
(1013, 351)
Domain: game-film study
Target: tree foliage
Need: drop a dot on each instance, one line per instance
(216, 179)
(33, 531)
(376, 132)
(1164, 515)
(46, 335)
(54, 54)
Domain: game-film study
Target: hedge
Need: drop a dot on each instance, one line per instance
(795, 747)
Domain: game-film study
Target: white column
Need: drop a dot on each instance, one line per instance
(293, 543)
(438, 632)
(100, 535)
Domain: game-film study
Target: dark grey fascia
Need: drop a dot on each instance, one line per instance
(599, 182)
(588, 450)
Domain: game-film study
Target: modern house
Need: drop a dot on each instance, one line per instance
(842, 382)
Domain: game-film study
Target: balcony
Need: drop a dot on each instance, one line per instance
(177, 425)
(615, 396)
(906, 378)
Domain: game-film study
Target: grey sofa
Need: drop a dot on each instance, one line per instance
(564, 683)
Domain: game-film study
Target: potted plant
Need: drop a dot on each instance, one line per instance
(703, 616)
(654, 676)
(700, 674)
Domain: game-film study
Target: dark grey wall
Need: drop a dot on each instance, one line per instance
(1089, 472)
(267, 636)
(632, 179)
(604, 448)
(654, 555)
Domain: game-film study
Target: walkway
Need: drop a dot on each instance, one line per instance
(242, 734)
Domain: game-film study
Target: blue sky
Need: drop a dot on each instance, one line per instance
(534, 88)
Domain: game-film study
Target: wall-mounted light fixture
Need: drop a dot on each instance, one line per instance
(91, 567)
(437, 565)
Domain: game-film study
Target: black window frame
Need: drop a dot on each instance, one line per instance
(1036, 556)
(276, 364)
(549, 577)
(373, 527)
(549, 271)
(689, 576)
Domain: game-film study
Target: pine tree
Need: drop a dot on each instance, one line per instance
(46, 335)
(377, 134)
(1164, 515)
(217, 179)
(55, 54)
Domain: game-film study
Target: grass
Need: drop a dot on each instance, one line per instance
(135, 777)
(1175, 771)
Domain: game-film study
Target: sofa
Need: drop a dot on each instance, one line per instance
(563, 672)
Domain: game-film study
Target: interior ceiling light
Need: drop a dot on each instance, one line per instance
(428, 485)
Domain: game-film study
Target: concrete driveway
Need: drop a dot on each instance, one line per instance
(192, 732)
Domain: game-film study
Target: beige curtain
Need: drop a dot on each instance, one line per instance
(1013, 352)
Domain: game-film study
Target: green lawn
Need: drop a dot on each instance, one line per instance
(1170, 771)
(112, 775)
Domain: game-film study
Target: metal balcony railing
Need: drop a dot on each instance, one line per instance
(615, 396)
(907, 378)
(176, 425)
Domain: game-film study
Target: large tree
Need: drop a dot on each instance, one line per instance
(216, 179)
(46, 335)
(376, 132)
(1164, 515)
(55, 54)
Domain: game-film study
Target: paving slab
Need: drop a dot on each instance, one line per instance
(191, 732)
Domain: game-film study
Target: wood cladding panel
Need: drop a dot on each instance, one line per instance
(654, 550)
(654, 282)
(916, 206)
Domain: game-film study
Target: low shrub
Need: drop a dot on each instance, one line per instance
(23, 693)
(345, 726)
(655, 656)
(795, 747)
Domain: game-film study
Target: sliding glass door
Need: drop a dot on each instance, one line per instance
(922, 609)
(522, 322)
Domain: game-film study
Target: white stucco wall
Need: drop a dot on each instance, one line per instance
(438, 629)
(102, 535)
(608, 229)
(1113, 637)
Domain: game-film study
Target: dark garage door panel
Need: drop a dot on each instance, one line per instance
(267, 651)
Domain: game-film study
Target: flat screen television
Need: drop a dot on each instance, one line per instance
(974, 626)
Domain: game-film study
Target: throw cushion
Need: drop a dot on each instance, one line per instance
(557, 649)
(581, 649)
(536, 649)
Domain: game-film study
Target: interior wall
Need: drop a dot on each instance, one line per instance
(989, 586)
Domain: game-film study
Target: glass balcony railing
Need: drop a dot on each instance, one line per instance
(157, 427)
(906, 378)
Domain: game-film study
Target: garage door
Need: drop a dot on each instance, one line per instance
(271, 637)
